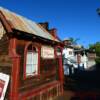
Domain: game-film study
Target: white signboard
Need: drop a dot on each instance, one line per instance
(47, 52)
(4, 79)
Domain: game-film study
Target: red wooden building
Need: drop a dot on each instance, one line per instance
(31, 56)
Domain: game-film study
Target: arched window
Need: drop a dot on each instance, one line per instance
(31, 61)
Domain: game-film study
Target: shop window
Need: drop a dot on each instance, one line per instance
(31, 61)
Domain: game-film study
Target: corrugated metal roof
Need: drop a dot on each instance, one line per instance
(23, 24)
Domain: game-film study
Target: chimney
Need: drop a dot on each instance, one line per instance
(45, 25)
(53, 32)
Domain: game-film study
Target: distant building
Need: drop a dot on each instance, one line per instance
(74, 57)
(91, 57)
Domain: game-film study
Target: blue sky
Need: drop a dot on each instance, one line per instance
(72, 18)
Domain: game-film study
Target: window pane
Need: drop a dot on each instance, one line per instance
(28, 69)
(35, 58)
(29, 58)
(34, 68)
(32, 63)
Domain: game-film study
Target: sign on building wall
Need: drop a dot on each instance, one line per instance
(4, 79)
(47, 52)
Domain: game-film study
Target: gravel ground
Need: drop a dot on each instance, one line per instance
(85, 84)
(66, 96)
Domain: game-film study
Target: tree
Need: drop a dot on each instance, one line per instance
(74, 41)
(96, 47)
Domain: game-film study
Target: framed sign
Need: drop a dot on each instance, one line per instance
(4, 79)
(47, 52)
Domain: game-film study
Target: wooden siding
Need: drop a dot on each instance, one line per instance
(5, 67)
(49, 67)
(48, 70)
(48, 91)
(5, 60)
(4, 42)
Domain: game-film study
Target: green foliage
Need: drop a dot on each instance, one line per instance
(74, 41)
(96, 47)
(97, 60)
